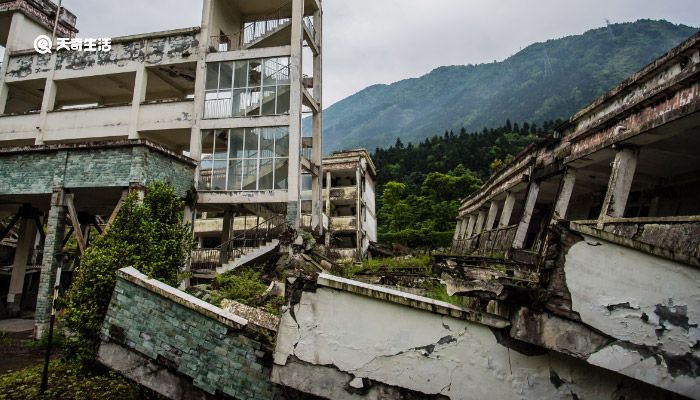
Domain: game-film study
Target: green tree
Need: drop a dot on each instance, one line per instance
(148, 236)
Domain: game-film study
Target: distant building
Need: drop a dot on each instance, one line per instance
(349, 202)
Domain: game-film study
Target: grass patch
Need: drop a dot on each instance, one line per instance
(243, 285)
(67, 380)
(392, 264)
(439, 292)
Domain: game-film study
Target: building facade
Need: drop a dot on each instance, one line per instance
(349, 197)
(224, 100)
(589, 240)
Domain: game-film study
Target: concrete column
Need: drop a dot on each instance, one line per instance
(317, 127)
(564, 197)
(49, 101)
(25, 243)
(199, 84)
(295, 76)
(358, 207)
(491, 217)
(480, 222)
(529, 207)
(470, 226)
(328, 207)
(229, 220)
(53, 247)
(140, 84)
(15, 27)
(507, 210)
(619, 185)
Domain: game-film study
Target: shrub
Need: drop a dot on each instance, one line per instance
(148, 236)
(418, 239)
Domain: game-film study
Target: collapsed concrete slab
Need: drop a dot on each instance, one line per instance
(347, 339)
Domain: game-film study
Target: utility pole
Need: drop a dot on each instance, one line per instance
(45, 375)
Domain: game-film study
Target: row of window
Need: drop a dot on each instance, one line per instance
(245, 159)
(247, 88)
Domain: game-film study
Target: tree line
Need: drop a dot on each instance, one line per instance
(421, 185)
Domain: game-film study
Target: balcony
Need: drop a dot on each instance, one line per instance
(343, 224)
(342, 194)
(488, 243)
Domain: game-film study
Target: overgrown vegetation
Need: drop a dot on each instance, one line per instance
(244, 285)
(68, 380)
(421, 262)
(147, 235)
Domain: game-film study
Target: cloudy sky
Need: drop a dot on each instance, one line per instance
(383, 41)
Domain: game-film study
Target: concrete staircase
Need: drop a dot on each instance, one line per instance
(248, 246)
(249, 255)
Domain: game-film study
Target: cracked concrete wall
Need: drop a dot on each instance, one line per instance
(650, 305)
(127, 53)
(341, 345)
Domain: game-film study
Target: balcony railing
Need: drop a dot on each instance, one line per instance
(487, 243)
(253, 30)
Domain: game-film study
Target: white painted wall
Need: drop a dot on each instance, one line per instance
(335, 337)
(618, 290)
(370, 223)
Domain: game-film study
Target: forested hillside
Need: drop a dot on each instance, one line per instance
(420, 185)
(542, 82)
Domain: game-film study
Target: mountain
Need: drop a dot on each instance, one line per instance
(544, 81)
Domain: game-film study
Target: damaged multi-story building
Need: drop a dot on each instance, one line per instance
(349, 218)
(214, 110)
(573, 274)
(589, 241)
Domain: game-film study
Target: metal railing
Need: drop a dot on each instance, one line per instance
(250, 239)
(253, 30)
(309, 22)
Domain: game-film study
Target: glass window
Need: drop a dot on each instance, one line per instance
(306, 181)
(281, 168)
(218, 181)
(266, 174)
(267, 143)
(268, 100)
(283, 71)
(241, 74)
(212, 76)
(221, 145)
(283, 99)
(250, 171)
(248, 88)
(251, 142)
(253, 102)
(239, 102)
(235, 171)
(254, 73)
(244, 159)
(225, 75)
(281, 141)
